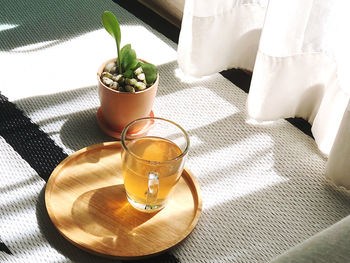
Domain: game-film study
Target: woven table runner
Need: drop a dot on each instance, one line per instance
(263, 187)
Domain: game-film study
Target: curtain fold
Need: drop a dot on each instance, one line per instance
(298, 51)
(219, 35)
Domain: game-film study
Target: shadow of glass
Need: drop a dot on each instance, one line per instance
(105, 212)
(118, 206)
(57, 241)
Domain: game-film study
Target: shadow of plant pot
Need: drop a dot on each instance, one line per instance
(120, 108)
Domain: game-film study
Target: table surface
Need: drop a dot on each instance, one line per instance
(263, 184)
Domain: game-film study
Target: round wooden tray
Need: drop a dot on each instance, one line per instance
(85, 199)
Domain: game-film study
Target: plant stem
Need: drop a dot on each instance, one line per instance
(118, 59)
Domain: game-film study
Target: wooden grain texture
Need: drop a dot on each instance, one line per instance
(86, 201)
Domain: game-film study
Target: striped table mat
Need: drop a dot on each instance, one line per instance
(262, 185)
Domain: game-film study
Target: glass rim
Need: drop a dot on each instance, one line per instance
(123, 139)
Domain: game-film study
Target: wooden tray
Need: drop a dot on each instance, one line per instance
(85, 199)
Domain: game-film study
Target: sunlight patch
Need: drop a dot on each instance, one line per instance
(148, 45)
(34, 47)
(187, 78)
(241, 170)
(261, 123)
(201, 109)
(4, 27)
(72, 63)
(195, 141)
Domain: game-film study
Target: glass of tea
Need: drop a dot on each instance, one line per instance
(153, 157)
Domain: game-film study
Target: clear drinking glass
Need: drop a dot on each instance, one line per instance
(152, 161)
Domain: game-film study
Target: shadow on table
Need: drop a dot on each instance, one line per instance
(262, 212)
(267, 193)
(81, 130)
(248, 215)
(70, 115)
(77, 110)
(263, 224)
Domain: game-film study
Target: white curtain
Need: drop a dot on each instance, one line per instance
(299, 52)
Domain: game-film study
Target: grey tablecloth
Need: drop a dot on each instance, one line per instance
(263, 185)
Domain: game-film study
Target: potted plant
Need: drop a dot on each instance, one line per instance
(127, 85)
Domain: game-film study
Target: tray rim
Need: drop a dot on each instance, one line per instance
(187, 175)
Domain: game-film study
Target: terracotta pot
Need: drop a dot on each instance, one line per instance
(120, 108)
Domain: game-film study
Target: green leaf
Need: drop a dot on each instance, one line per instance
(139, 64)
(128, 58)
(128, 73)
(111, 25)
(150, 71)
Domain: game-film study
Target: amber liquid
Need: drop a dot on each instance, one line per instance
(136, 170)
